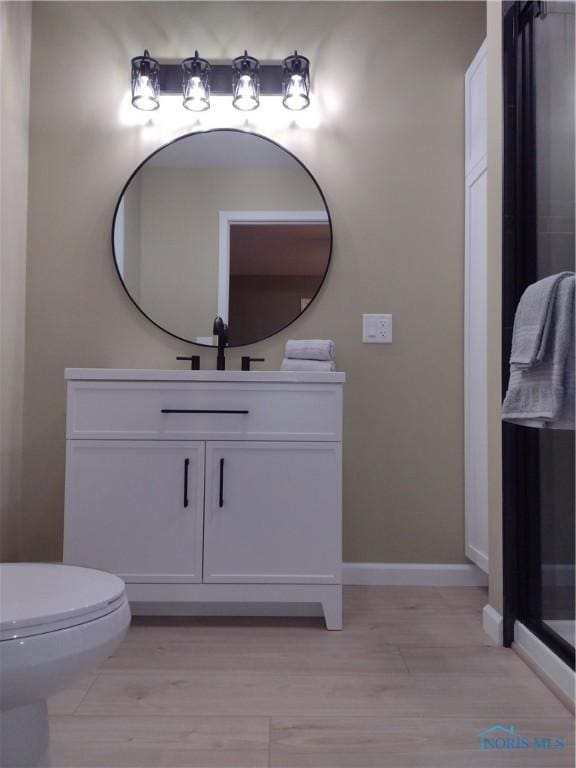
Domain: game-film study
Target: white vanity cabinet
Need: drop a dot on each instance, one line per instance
(207, 486)
(269, 513)
(136, 508)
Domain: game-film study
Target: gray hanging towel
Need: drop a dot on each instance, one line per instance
(533, 320)
(541, 392)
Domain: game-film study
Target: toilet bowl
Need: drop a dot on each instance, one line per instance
(57, 623)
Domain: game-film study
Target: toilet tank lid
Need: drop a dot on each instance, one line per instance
(33, 594)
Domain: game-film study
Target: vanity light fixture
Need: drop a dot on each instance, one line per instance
(145, 82)
(195, 79)
(196, 83)
(245, 83)
(296, 82)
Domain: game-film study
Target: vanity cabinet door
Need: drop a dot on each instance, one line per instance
(136, 508)
(273, 512)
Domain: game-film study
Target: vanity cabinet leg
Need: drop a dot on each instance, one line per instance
(332, 607)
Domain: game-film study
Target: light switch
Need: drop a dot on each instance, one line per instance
(377, 329)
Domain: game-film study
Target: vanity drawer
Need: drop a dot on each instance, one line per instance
(121, 410)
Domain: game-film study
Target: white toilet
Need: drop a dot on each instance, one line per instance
(57, 623)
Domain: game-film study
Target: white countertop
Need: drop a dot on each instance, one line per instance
(153, 374)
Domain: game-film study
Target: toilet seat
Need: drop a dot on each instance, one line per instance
(37, 598)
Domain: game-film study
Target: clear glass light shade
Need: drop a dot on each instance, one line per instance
(144, 83)
(245, 97)
(296, 82)
(246, 84)
(196, 84)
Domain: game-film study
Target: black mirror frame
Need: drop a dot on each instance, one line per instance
(220, 130)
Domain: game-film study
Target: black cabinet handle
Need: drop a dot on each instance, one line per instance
(186, 467)
(221, 498)
(176, 410)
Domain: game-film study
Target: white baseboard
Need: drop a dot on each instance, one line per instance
(414, 574)
(539, 655)
(365, 574)
(493, 624)
(477, 557)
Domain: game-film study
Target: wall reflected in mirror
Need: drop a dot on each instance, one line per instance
(222, 223)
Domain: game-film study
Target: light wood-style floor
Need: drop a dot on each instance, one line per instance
(410, 682)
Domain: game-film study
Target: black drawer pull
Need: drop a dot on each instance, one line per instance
(221, 499)
(186, 467)
(178, 410)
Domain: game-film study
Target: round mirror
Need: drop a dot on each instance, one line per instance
(222, 223)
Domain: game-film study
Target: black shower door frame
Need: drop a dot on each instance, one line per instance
(521, 450)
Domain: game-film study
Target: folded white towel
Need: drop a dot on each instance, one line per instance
(310, 349)
(307, 365)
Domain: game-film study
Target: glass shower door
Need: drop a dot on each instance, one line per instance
(539, 205)
(553, 113)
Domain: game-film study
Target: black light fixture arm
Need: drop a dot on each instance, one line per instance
(270, 75)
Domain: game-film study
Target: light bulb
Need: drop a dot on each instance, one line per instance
(296, 96)
(197, 90)
(144, 93)
(196, 99)
(245, 94)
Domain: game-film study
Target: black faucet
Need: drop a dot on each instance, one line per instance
(246, 360)
(194, 362)
(221, 330)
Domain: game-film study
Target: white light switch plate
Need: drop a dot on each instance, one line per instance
(377, 329)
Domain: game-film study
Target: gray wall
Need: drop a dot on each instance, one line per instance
(385, 140)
